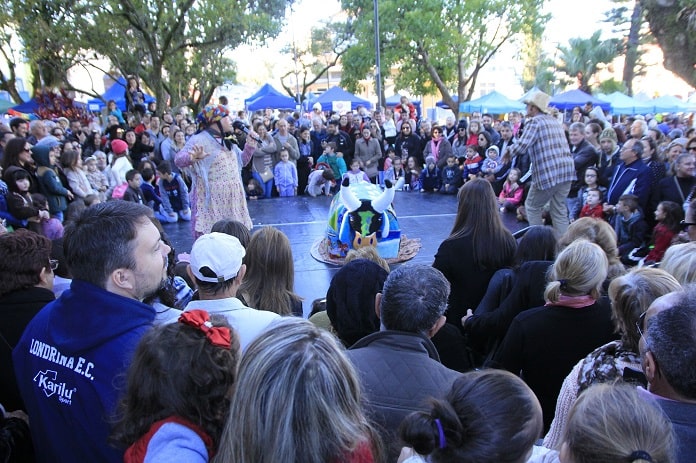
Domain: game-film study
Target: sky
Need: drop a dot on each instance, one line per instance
(566, 22)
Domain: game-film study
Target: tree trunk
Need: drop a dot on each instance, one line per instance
(670, 25)
(632, 47)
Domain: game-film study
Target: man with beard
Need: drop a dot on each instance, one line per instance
(73, 352)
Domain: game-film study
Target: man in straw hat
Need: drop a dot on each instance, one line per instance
(553, 169)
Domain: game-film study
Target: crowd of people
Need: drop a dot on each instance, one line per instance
(112, 350)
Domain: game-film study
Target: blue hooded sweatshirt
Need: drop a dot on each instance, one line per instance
(70, 365)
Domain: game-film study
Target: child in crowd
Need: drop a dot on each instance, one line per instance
(133, 193)
(178, 390)
(151, 194)
(472, 164)
(254, 189)
(668, 215)
(498, 405)
(591, 181)
(389, 158)
(51, 228)
(396, 174)
(285, 175)
(337, 164)
(355, 175)
(510, 196)
(412, 175)
(75, 175)
(19, 202)
(57, 195)
(320, 181)
(492, 164)
(173, 193)
(451, 177)
(96, 178)
(593, 204)
(430, 176)
(630, 226)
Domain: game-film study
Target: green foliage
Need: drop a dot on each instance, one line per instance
(673, 24)
(611, 86)
(327, 44)
(436, 45)
(176, 47)
(538, 68)
(583, 57)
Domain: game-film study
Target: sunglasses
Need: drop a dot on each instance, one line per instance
(691, 148)
(53, 263)
(684, 224)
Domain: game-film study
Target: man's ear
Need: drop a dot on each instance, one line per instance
(122, 279)
(44, 277)
(378, 301)
(190, 274)
(650, 366)
(240, 274)
(436, 327)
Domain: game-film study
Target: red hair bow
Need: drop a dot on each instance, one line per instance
(219, 336)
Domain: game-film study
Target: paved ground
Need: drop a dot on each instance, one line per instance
(303, 219)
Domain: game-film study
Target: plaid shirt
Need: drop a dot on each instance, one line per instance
(545, 142)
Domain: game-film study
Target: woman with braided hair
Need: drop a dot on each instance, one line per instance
(215, 165)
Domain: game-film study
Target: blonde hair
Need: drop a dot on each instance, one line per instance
(680, 262)
(600, 233)
(631, 295)
(579, 270)
(370, 253)
(297, 399)
(610, 423)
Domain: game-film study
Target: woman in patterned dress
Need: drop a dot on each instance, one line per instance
(215, 165)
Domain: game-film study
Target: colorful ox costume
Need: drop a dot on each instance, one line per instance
(362, 215)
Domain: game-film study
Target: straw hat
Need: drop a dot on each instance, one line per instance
(540, 100)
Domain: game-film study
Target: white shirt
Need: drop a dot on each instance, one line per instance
(248, 322)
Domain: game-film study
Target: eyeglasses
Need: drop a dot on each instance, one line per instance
(640, 323)
(684, 224)
(53, 263)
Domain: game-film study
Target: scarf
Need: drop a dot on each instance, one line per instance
(574, 302)
(435, 147)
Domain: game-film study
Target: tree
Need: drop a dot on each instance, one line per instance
(673, 24)
(177, 47)
(437, 45)
(583, 57)
(630, 23)
(325, 48)
(538, 68)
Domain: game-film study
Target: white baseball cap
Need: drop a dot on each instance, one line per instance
(221, 253)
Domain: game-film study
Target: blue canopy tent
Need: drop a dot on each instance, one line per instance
(28, 107)
(273, 102)
(572, 98)
(266, 89)
(624, 104)
(396, 100)
(117, 93)
(670, 104)
(336, 95)
(493, 103)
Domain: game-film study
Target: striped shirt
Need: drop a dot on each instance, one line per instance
(545, 142)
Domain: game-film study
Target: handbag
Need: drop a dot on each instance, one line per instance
(266, 175)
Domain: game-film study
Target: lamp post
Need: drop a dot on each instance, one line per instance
(378, 70)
